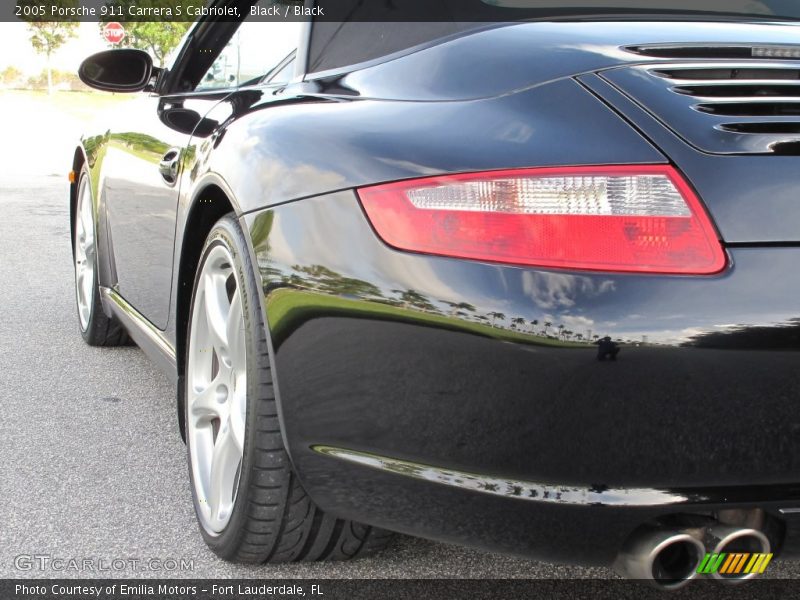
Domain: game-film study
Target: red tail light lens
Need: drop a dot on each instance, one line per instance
(631, 219)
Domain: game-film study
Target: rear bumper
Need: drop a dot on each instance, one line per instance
(506, 438)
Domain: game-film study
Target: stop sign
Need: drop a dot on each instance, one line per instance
(114, 33)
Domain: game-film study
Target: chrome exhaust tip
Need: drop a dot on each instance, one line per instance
(667, 559)
(747, 552)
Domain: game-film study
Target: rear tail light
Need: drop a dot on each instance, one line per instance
(632, 219)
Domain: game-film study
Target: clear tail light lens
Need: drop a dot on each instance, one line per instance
(629, 219)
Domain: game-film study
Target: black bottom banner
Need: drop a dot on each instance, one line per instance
(390, 589)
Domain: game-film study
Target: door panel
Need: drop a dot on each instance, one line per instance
(144, 156)
(142, 202)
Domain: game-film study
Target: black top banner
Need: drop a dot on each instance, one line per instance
(393, 10)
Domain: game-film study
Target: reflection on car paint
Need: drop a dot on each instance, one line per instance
(524, 490)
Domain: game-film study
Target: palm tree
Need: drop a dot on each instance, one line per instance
(466, 306)
(496, 315)
(546, 325)
(413, 299)
(534, 323)
(456, 307)
(561, 331)
(517, 321)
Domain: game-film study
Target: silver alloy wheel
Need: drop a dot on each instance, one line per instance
(84, 254)
(216, 388)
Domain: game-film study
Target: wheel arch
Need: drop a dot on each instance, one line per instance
(105, 250)
(78, 160)
(212, 201)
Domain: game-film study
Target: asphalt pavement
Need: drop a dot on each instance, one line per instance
(92, 467)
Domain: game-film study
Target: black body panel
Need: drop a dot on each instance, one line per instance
(698, 403)
(459, 426)
(313, 148)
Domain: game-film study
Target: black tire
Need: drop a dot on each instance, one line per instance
(98, 329)
(273, 519)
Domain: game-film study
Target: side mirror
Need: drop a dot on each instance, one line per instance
(123, 70)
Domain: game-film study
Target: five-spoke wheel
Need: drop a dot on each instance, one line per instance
(84, 253)
(216, 379)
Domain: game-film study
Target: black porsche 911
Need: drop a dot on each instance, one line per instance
(524, 279)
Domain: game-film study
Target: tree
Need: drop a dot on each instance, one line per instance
(496, 315)
(547, 325)
(414, 299)
(349, 286)
(10, 75)
(157, 38)
(49, 36)
(40, 81)
(455, 307)
(517, 321)
(322, 278)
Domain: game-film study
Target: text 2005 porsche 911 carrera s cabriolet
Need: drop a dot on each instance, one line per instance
(530, 285)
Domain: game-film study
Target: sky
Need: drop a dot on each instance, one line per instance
(16, 49)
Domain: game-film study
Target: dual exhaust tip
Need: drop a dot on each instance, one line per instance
(671, 558)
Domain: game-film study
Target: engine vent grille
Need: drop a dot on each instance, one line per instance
(718, 51)
(747, 107)
(755, 75)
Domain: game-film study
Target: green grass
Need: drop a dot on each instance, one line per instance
(135, 151)
(288, 308)
(78, 105)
